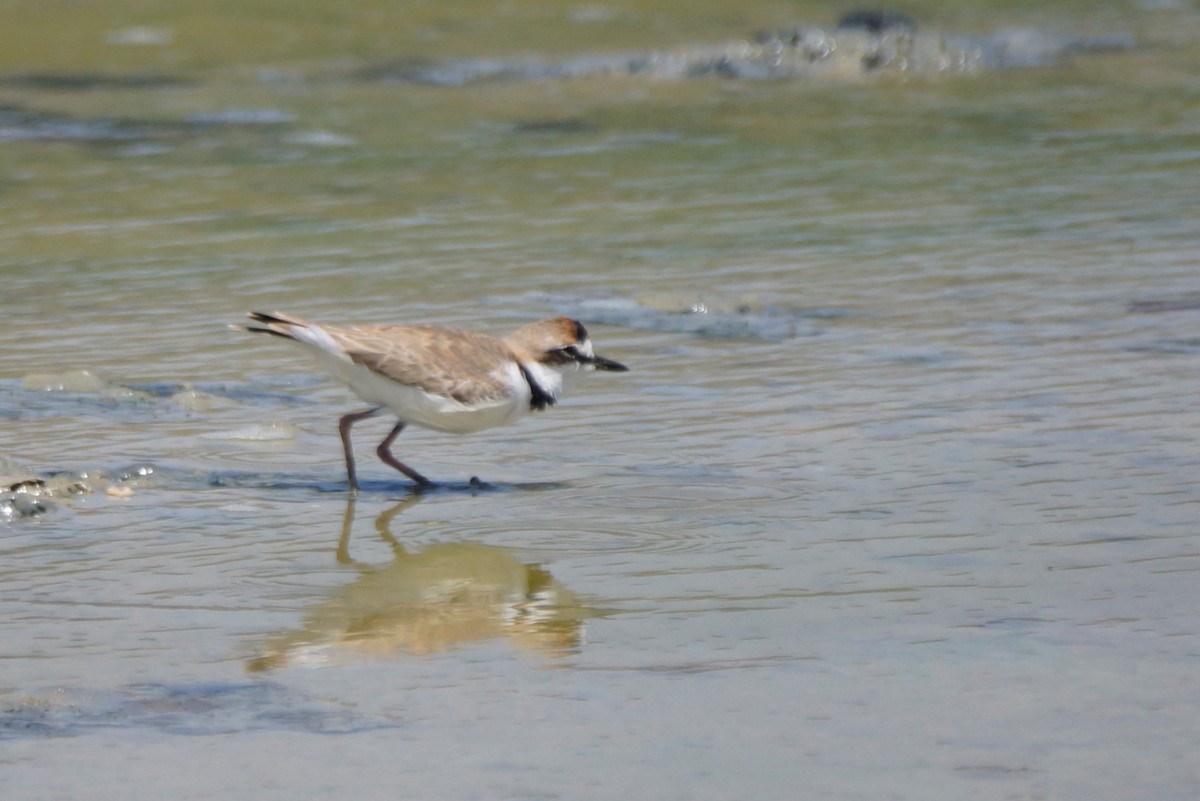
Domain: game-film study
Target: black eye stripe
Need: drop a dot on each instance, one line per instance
(574, 354)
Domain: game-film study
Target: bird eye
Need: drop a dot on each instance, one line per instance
(569, 354)
(579, 356)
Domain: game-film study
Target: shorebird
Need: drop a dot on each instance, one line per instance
(444, 379)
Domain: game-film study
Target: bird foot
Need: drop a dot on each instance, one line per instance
(476, 483)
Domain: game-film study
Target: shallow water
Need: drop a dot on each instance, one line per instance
(898, 499)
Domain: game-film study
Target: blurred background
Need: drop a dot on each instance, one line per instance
(897, 500)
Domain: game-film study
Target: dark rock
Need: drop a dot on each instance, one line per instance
(877, 21)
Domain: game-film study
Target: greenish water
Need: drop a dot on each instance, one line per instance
(898, 499)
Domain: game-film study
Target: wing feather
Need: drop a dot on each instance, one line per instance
(466, 366)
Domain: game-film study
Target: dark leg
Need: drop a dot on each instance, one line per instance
(385, 453)
(344, 429)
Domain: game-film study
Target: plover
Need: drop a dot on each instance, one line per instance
(444, 379)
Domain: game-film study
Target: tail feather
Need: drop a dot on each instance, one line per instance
(257, 330)
(287, 327)
(274, 323)
(275, 317)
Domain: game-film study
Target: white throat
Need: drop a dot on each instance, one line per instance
(547, 379)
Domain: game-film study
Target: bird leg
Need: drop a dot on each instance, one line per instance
(344, 429)
(385, 453)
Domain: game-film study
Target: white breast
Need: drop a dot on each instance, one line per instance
(417, 407)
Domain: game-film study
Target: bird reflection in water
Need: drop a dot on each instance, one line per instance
(439, 597)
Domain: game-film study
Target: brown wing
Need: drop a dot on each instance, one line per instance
(463, 365)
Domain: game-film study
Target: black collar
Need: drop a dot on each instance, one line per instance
(539, 398)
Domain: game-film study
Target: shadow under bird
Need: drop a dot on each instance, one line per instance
(444, 379)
